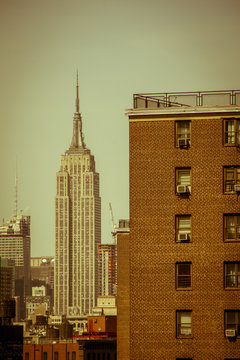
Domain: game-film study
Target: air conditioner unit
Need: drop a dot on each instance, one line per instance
(237, 187)
(182, 189)
(230, 332)
(183, 237)
(183, 142)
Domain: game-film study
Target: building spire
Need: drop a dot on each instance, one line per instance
(77, 138)
(77, 95)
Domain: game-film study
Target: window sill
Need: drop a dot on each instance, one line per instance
(184, 289)
(232, 289)
(232, 241)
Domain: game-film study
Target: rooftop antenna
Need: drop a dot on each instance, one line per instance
(16, 192)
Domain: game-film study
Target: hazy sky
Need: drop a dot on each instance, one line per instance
(120, 48)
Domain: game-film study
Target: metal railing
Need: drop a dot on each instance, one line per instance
(195, 98)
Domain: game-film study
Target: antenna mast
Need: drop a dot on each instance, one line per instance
(16, 192)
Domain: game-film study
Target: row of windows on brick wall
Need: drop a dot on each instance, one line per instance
(231, 133)
(231, 180)
(184, 323)
(183, 271)
(231, 228)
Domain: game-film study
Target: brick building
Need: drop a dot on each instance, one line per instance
(184, 243)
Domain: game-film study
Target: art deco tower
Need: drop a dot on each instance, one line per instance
(77, 227)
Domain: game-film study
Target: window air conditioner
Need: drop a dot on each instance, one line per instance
(230, 332)
(183, 237)
(237, 187)
(181, 189)
(183, 142)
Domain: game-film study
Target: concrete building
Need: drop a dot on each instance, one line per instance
(184, 243)
(15, 245)
(77, 227)
(107, 269)
(38, 299)
(106, 305)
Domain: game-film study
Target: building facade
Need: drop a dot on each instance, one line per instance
(184, 243)
(107, 269)
(15, 245)
(7, 278)
(77, 227)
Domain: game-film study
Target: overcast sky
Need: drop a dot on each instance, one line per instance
(119, 47)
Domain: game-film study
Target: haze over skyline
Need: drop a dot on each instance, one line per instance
(119, 48)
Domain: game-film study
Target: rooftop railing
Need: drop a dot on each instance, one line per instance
(178, 99)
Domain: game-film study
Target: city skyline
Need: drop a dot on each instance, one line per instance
(119, 49)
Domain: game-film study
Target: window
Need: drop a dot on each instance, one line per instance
(231, 179)
(183, 134)
(56, 356)
(45, 355)
(232, 275)
(232, 132)
(184, 323)
(232, 321)
(183, 275)
(183, 228)
(183, 180)
(232, 227)
(27, 356)
(74, 355)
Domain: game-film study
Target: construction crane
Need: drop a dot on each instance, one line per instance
(113, 222)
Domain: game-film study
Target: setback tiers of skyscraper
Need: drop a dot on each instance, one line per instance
(77, 227)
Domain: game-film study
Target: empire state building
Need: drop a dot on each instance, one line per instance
(77, 227)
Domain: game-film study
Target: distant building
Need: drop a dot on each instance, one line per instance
(11, 336)
(38, 299)
(42, 274)
(107, 269)
(15, 245)
(7, 278)
(101, 348)
(106, 305)
(183, 255)
(77, 227)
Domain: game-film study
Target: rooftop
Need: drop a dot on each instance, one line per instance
(186, 99)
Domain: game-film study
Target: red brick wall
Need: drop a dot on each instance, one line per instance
(154, 252)
(36, 351)
(123, 296)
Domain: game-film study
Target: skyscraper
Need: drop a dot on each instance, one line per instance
(77, 226)
(15, 245)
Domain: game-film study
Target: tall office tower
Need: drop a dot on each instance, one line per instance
(77, 227)
(107, 273)
(15, 245)
(184, 242)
